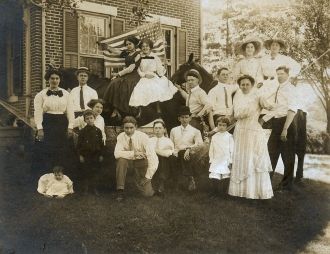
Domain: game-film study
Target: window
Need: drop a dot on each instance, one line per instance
(175, 48)
(81, 36)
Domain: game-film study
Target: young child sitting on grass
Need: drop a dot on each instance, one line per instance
(55, 184)
(90, 148)
(220, 153)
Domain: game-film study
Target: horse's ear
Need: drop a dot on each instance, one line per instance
(191, 57)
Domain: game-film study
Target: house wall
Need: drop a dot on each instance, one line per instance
(186, 10)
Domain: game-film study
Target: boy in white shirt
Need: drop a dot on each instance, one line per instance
(184, 138)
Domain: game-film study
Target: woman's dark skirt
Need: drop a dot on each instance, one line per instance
(55, 148)
(120, 91)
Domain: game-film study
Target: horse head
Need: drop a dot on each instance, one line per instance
(179, 76)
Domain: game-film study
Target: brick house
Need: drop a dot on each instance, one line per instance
(34, 37)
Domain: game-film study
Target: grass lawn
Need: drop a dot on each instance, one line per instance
(178, 223)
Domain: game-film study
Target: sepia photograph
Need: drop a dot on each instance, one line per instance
(153, 126)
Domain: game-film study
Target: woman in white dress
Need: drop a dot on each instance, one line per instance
(251, 163)
(250, 64)
(153, 85)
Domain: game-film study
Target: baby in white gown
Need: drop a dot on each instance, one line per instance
(55, 184)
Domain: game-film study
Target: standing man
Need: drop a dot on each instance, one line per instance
(282, 138)
(185, 137)
(221, 97)
(196, 99)
(82, 94)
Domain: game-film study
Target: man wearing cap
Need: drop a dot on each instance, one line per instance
(185, 137)
(282, 138)
(196, 99)
(221, 96)
(82, 94)
(270, 62)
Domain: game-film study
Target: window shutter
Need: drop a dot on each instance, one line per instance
(70, 40)
(181, 46)
(117, 26)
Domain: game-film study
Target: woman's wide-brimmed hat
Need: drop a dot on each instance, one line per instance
(255, 41)
(82, 70)
(194, 73)
(245, 77)
(269, 42)
(183, 111)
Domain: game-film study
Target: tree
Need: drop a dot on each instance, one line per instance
(139, 12)
(314, 17)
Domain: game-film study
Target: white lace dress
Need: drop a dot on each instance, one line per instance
(149, 90)
(251, 162)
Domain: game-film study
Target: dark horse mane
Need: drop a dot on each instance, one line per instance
(179, 76)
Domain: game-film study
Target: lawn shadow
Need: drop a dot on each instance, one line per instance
(178, 223)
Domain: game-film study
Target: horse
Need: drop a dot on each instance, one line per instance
(149, 113)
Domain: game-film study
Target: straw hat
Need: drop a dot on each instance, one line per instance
(269, 42)
(82, 70)
(256, 42)
(194, 73)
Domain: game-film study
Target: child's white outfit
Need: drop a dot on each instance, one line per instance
(220, 153)
(49, 185)
(158, 88)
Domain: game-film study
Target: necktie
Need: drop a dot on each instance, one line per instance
(226, 96)
(82, 103)
(277, 93)
(188, 99)
(130, 144)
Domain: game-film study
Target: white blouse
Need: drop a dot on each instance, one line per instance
(99, 123)
(151, 66)
(269, 65)
(163, 145)
(52, 104)
(250, 67)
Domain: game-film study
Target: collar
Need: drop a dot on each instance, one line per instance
(287, 82)
(222, 84)
(194, 89)
(183, 128)
(128, 137)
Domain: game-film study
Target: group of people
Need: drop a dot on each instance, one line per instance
(247, 158)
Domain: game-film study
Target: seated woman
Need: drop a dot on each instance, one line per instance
(164, 149)
(97, 106)
(250, 64)
(55, 184)
(153, 85)
(121, 88)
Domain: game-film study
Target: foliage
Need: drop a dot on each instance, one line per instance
(139, 12)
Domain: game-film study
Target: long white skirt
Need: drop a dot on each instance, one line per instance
(151, 90)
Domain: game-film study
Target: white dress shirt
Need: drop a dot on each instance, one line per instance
(283, 100)
(88, 94)
(52, 105)
(163, 146)
(49, 185)
(222, 104)
(80, 123)
(184, 138)
(269, 65)
(196, 100)
(140, 143)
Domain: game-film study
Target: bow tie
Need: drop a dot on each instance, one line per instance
(147, 57)
(56, 93)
